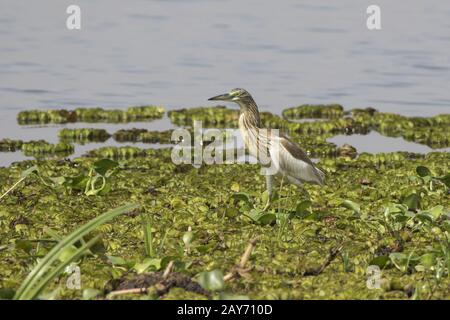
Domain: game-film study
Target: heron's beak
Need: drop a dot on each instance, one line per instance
(222, 97)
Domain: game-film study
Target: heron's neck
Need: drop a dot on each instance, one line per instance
(251, 113)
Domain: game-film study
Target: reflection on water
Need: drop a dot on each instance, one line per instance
(179, 53)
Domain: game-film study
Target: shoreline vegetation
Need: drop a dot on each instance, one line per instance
(200, 233)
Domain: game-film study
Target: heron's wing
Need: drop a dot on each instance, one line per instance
(294, 162)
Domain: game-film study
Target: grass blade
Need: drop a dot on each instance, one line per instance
(43, 265)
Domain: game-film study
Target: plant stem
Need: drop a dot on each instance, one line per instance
(12, 188)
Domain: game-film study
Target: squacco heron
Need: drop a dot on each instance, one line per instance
(277, 154)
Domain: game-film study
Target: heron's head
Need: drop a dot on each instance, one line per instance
(239, 96)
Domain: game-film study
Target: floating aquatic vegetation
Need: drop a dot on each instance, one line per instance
(126, 152)
(46, 116)
(349, 213)
(143, 135)
(434, 137)
(341, 125)
(41, 147)
(316, 146)
(131, 114)
(10, 145)
(140, 113)
(218, 116)
(314, 111)
(347, 150)
(83, 135)
(387, 210)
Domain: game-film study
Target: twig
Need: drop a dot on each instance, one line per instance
(331, 256)
(239, 269)
(127, 291)
(168, 270)
(159, 286)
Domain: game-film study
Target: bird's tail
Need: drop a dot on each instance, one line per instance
(320, 176)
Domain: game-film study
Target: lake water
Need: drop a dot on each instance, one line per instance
(178, 53)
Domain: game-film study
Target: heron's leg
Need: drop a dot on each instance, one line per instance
(269, 185)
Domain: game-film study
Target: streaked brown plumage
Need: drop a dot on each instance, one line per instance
(276, 152)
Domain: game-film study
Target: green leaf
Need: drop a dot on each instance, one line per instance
(241, 196)
(148, 263)
(423, 171)
(261, 217)
(211, 280)
(436, 211)
(90, 293)
(428, 260)
(6, 293)
(117, 261)
(104, 165)
(412, 201)
(399, 260)
(231, 212)
(424, 217)
(446, 180)
(302, 209)
(267, 218)
(355, 207)
(30, 170)
(380, 261)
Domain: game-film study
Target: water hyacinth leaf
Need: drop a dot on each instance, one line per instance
(66, 253)
(90, 293)
(412, 201)
(303, 207)
(104, 165)
(241, 196)
(35, 282)
(381, 261)
(262, 217)
(231, 212)
(436, 211)
(77, 183)
(117, 261)
(148, 264)
(355, 207)
(24, 245)
(424, 217)
(423, 171)
(428, 260)
(211, 280)
(30, 170)
(399, 260)
(267, 218)
(445, 180)
(6, 293)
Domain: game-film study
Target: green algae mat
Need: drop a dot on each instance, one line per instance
(127, 223)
